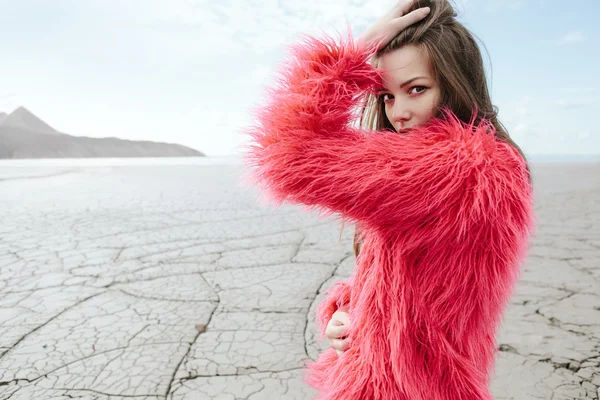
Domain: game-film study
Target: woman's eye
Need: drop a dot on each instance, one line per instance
(387, 97)
(421, 89)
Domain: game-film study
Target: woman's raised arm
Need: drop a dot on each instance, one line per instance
(305, 151)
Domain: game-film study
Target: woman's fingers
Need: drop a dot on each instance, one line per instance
(411, 18)
(386, 29)
(336, 331)
(405, 5)
(340, 344)
(340, 317)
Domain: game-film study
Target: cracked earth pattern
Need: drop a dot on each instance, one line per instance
(172, 282)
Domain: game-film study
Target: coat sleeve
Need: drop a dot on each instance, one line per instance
(304, 150)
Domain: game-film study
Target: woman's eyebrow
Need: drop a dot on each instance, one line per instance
(384, 89)
(412, 79)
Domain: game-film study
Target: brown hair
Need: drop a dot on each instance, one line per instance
(456, 65)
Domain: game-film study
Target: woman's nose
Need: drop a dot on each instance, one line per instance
(400, 112)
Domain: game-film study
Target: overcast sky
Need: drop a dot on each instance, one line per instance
(188, 71)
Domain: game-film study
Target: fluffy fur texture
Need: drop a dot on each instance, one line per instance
(446, 214)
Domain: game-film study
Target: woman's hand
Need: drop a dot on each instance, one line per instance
(396, 20)
(336, 330)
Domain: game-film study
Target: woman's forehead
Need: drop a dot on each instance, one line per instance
(405, 63)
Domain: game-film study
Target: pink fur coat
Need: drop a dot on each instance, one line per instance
(446, 212)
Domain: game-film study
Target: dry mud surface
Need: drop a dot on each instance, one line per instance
(172, 282)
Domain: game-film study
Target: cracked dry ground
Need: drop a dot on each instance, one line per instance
(109, 276)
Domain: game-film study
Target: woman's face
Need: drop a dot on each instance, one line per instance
(410, 93)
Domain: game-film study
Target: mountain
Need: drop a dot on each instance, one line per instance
(23, 118)
(24, 135)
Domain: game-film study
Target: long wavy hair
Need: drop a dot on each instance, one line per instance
(457, 66)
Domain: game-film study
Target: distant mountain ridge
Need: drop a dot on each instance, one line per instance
(24, 135)
(23, 118)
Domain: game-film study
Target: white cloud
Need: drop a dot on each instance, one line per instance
(9, 101)
(572, 37)
(218, 130)
(260, 75)
(523, 117)
(581, 89)
(256, 25)
(500, 5)
(583, 135)
(575, 102)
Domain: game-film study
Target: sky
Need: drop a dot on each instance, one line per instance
(190, 71)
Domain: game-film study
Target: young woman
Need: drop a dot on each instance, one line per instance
(441, 194)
